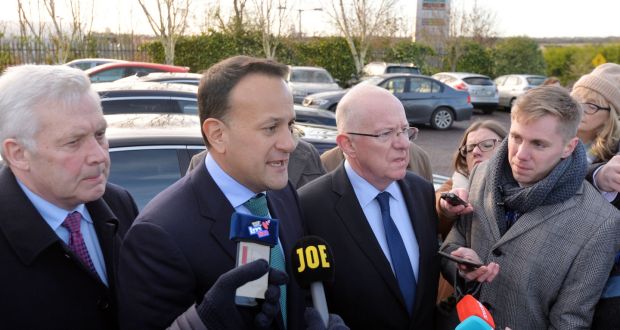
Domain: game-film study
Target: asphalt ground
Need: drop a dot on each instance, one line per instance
(441, 145)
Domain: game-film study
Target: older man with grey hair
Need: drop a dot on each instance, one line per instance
(61, 222)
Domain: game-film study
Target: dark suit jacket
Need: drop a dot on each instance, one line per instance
(179, 246)
(43, 285)
(365, 292)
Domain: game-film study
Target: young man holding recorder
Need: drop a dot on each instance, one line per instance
(547, 238)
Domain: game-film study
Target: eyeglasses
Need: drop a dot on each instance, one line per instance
(484, 146)
(410, 132)
(591, 108)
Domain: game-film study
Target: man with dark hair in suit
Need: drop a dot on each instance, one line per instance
(61, 223)
(378, 218)
(546, 236)
(179, 245)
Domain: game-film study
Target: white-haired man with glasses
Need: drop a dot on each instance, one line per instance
(378, 218)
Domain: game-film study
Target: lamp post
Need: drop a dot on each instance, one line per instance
(301, 11)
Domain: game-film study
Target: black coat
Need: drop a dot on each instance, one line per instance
(43, 285)
(179, 246)
(365, 292)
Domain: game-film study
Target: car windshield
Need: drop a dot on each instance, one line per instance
(310, 76)
(535, 81)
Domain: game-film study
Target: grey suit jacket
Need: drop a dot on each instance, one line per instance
(554, 261)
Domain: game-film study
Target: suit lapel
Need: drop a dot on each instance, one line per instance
(214, 206)
(106, 225)
(22, 225)
(276, 209)
(350, 213)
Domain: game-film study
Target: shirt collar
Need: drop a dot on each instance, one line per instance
(235, 192)
(51, 213)
(365, 191)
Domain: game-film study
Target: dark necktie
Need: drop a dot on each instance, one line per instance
(76, 241)
(400, 258)
(257, 205)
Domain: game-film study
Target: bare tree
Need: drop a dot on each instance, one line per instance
(270, 19)
(169, 23)
(477, 24)
(361, 20)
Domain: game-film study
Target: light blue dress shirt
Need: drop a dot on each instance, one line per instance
(366, 195)
(55, 216)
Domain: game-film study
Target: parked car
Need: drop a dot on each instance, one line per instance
(152, 97)
(149, 152)
(306, 80)
(87, 63)
(513, 85)
(426, 100)
(114, 71)
(481, 88)
(379, 68)
(188, 78)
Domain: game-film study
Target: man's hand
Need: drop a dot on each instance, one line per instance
(454, 211)
(314, 321)
(482, 274)
(218, 309)
(608, 176)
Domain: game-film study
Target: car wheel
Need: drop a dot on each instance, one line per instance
(442, 119)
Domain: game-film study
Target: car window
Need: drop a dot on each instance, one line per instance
(535, 81)
(111, 107)
(310, 76)
(478, 81)
(420, 85)
(108, 75)
(144, 173)
(395, 85)
(188, 107)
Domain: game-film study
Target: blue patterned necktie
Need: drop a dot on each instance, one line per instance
(400, 258)
(257, 205)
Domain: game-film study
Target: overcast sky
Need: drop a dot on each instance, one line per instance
(533, 18)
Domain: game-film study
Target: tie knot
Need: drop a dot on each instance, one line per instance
(257, 205)
(72, 222)
(384, 201)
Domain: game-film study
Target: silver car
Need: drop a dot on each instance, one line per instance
(306, 80)
(481, 88)
(513, 85)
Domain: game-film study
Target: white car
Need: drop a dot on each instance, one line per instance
(482, 89)
(513, 85)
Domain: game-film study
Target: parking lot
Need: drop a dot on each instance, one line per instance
(440, 145)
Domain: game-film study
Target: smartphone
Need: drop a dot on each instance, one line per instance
(469, 263)
(453, 199)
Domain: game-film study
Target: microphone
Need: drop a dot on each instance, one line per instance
(255, 236)
(470, 308)
(473, 323)
(313, 264)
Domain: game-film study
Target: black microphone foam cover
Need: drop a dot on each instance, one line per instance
(312, 261)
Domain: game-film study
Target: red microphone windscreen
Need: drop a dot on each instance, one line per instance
(469, 306)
